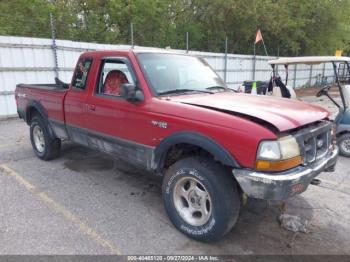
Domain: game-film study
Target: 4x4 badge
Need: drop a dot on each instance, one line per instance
(159, 124)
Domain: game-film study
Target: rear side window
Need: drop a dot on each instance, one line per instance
(81, 73)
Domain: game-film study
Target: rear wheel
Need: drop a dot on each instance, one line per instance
(44, 145)
(201, 198)
(344, 144)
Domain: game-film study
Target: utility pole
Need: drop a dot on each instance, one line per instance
(186, 42)
(132, 34)
(225, 72)
(254, 63)
(54, 47)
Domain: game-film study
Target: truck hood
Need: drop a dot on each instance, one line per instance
(282, 113)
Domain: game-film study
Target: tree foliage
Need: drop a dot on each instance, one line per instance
(303, 27)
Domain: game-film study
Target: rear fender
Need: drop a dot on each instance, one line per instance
(35, 105)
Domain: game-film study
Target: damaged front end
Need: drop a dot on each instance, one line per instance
(318, 153)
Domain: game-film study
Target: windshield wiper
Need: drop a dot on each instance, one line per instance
(175, 91)
(216, 87)
(220, 88)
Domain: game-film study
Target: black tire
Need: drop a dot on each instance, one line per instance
(223, 192)
(52, 145)
(344, 144)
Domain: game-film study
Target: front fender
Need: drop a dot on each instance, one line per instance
(342, 128)
(196, 139)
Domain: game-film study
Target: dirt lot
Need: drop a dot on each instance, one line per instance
(87, 203)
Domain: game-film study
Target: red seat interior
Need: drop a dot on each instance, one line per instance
(113, 81)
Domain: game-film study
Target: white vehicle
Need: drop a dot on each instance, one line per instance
(342, 120)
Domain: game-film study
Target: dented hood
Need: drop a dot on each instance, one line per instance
(284, 114)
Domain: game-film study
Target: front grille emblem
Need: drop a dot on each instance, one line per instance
(319, 143)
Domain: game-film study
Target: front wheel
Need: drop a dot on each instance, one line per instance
(201, 198)
(344, 144)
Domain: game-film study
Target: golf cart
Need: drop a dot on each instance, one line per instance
(273, 87)
(342, 120)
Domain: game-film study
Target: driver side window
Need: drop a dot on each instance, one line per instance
(112, 75)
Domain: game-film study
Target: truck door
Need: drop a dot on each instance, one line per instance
(106, 109)
(110, 118)
(75, 101)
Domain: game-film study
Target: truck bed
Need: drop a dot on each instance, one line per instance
(50, 96)
(49, 87)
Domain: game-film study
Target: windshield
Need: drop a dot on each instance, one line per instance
(346, 92)
(174, 73)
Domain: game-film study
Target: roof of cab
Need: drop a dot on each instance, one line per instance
(135, 49)
(309, 60)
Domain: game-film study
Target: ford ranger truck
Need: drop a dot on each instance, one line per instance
(171, 114)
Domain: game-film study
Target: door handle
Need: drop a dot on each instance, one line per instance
(91, 107)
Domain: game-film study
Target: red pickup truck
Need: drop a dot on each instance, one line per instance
(171, 114)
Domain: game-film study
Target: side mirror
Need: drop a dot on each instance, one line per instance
(131, 93)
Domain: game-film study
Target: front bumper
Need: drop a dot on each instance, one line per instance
(282, 185)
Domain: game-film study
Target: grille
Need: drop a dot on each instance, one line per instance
(314, 141)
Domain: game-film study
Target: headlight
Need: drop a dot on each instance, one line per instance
(278, 155)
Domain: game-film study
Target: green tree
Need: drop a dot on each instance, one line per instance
(303, 27)
(25, 18)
